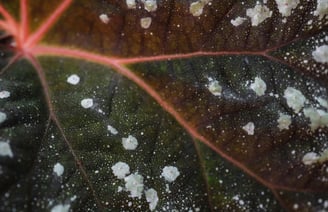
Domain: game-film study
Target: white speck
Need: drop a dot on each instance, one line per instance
(322, 9)
(196, 8)
(170, 173)
(150, 5)
(87, 103)
(58, 169)
(286, 6)
(322, 102)
(73, 79)
(4, 94)
(295, 99)
(318, 118)
(238, 21)
(112, 130)
(259, 86)
(214, 87)
(145, 22)
(131, 4)
(61, 208)
(119, 189)
(104, 18)
(134, 184)
(310, 158)
(320, 54)
(258, 14)
(249, 128)
(295, 206)
(5, 149)
(167, 188)
(120, 170)
(284, 121)
(130, 143)
(3, 117)
(152, 198)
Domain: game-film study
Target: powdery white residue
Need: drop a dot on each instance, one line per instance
(130, 143)
(3, 117)
(112, 130)
(249, 128)
(73, 79)
(4, 94)
(258, 14)
(196, 8)
(152, 198)
(318, 118)
(322, 8)
(170, 173)
(259, 86)
(238, 21)
(58, 169)
(150, 5)
(312, 157)
(214, 87)
(284, 121)
(322, 102)
(5, 149)
(131, 4)
(320, 54)
(104, 18)
(145, 22)
(286, 6)
(134, 184)
(61, 208)
(87, 103)
(120, 170)
(295, 99)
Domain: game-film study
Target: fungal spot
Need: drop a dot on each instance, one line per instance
(285, 7)
(284, 121)
(214, 87)
(318, 118)
(58, 169)
(238, 21)
(134, 184)
(145, 22)
(87, 103)
(170, 173)
(320, 54)
(4, 94)
(258, 14)
(131, 4)
(259, 86)
(196, 8)
(130, 143)
(61, 208)
(152, 198)
(313, 158)
(295, 99)
(73, 79)
(120, 170)
(5, 149)
(150, 5)
(322, 8)
(249, 128)
(104, 18)
(3, 117)
(112, 130)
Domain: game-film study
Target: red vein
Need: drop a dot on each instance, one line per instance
(45, 26)
(10, 20)
(24, 29)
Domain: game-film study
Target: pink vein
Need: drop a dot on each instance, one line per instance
(24, 20)
(10, 21)
(44, 28)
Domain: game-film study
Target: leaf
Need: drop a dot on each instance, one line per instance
(155, 84)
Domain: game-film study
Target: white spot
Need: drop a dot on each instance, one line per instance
(134, 184)
(145, 22)
(258, 14)
(196, 8)
(259, 86)
(4, 94)
(112, 130)
(104, 18)
(249, 128)
(286, 6)
(152, 198)
(320, 54)
(322, 9)
(120, 170)
(318, 118)
(284, 121)
(131, 4)
(61, 208)
(238, 21)
(58, 169)
(322, 102)
(73, 79)
(87, 103)
(214, 87)
(3, 117)
(130, 143)
(150, 5)
(295, 99)
(170, 173)
(5, 149)
(312, 157)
